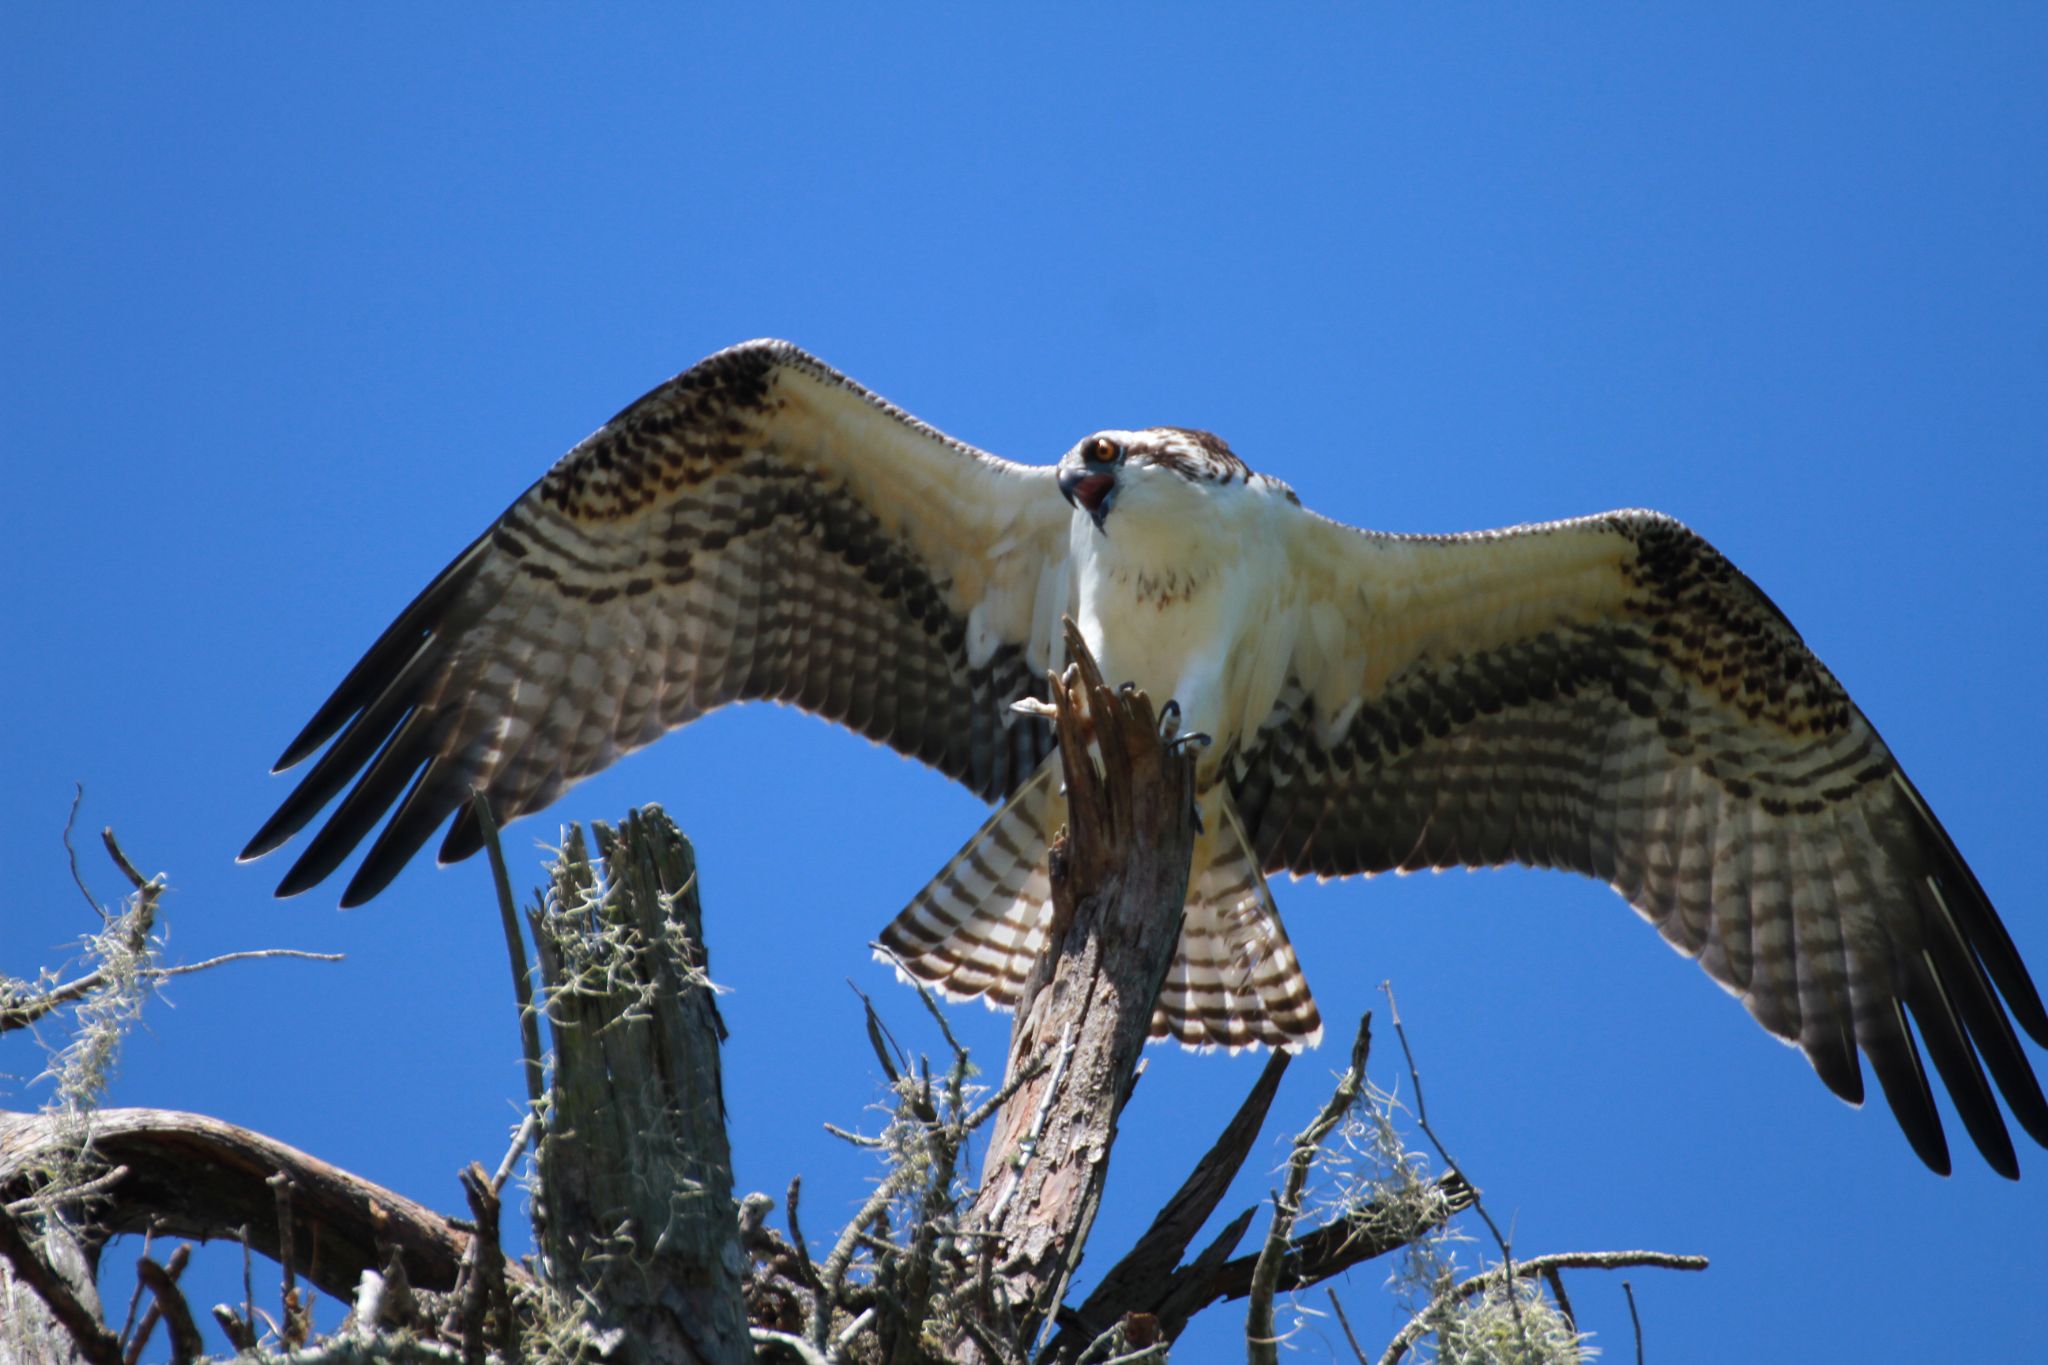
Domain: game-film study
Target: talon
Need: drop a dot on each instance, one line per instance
(1126, 687)
(1032, 706)
(1194, 739)
(1169, 720)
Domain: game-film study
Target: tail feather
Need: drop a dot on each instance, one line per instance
(1235, 981)
(979, 926)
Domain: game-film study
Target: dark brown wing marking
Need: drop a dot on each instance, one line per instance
(1613, 697)
(757, 528)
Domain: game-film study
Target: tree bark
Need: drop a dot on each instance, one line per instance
(1119, 883)
(636, 1216)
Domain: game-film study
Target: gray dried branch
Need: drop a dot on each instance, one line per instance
(174, 1267)
(194, 1176)
(1139, 1282)
(1419, 1326)
(186, 1343)
(1261, 1344)
(515, 949)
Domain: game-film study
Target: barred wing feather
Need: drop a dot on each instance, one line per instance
(758, 527)
(1609, 695)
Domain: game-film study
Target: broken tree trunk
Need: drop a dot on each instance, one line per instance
(636, 1215)
(1119, 884)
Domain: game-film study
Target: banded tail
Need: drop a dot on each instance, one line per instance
(979, 925)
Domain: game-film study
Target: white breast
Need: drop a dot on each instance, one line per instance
(1196, 608)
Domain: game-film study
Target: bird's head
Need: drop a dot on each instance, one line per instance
(1161, 468)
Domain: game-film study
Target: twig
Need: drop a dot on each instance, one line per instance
(806, 1271)
(71, 851)
(834, 1273)
(486, 1289)
(241, 1335)
(1258, 1319)
(94, 1188)
(528, 1127)
(113, 846)
(846, 1334)
(1507, 1254)
(248, 1281)
(988, 1108)
(1555, 1280)
(28, 1011)
(139, 1342)
(245, 955)
(1345, 1323)
(186, 1343)
(94, 1341)
(515, 947)
(281, 1185)
(1635, 1321)
(135, 1295)
(1418, 1326)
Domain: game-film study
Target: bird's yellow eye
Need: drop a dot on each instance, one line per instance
(1102, 450)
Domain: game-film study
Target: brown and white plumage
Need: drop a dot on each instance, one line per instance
(1607, 695)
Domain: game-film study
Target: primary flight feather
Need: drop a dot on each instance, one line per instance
(1607, 695)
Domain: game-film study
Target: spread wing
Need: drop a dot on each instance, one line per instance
(757, 527)
(1611, 696)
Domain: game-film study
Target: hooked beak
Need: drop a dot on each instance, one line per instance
(1091, 490)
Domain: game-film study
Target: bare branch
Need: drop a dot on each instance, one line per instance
(1337, 1305)
(186, 1343)
(1418, 1326)
(136, 879)
(1138, 1282)
(1335, 1247)
(515, 948)
(1260, 1342)
(197, 1177)
(1507, 1254)
(22, 1013)
(71, 851)
(245, 955)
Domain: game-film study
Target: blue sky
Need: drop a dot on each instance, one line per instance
(297, 299)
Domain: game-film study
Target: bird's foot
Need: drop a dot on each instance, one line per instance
(1032, 706)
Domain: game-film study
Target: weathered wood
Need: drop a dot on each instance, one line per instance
(49, 1306)
(1119, 882)
(193, 1176)
(636, 1215)
(1139, 1282)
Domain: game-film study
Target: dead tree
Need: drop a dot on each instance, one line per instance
(1119, 884)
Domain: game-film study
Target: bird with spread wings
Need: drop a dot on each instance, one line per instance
(1606, 694)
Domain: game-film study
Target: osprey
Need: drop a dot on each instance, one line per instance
(1606, 694)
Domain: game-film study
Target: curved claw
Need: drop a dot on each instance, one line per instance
(1193, 739)
(1169, 720)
